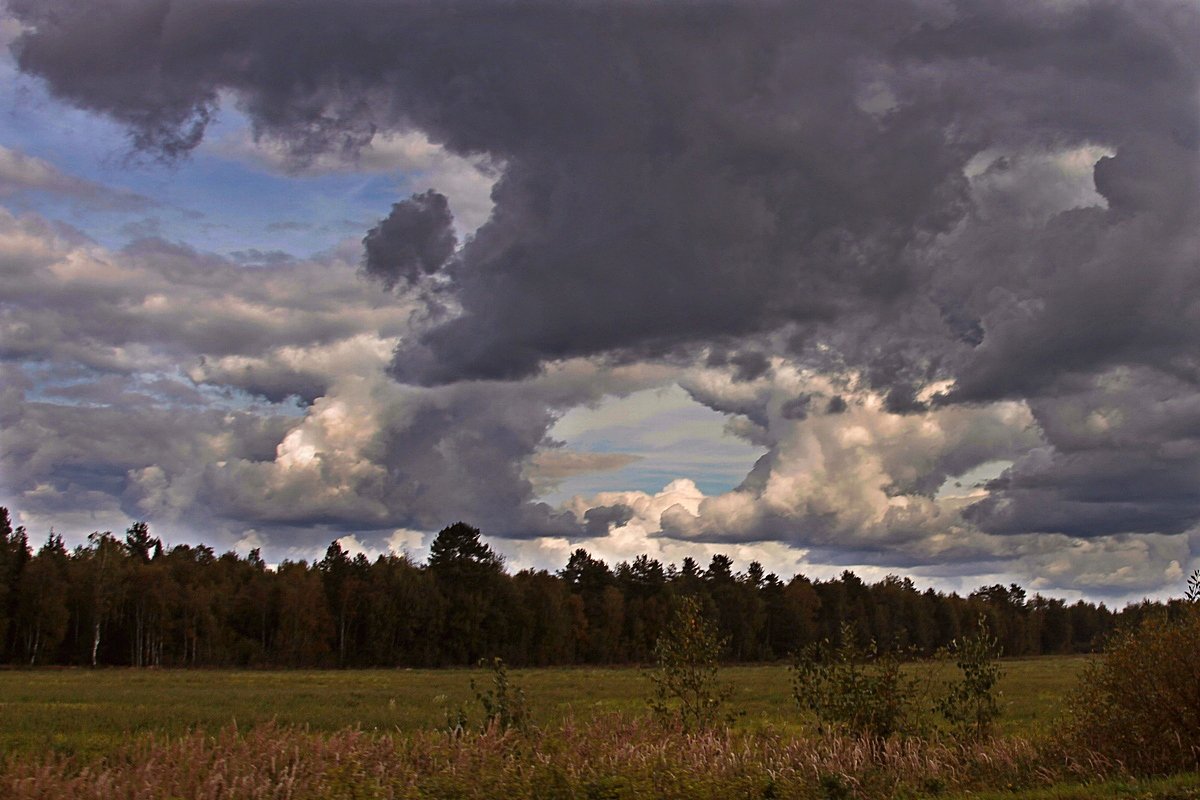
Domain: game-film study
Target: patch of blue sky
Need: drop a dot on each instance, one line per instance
(650, 477)
(671, 435)
(972, 481)
(83, 387)
(211, 201)
(248, 209)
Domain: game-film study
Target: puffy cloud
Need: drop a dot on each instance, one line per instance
(170, 399)
(864, 480)
(414, 240)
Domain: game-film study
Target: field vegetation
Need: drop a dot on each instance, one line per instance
(123, 733)
(847, 716)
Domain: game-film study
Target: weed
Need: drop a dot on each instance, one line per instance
(504, 703)
(455, 717)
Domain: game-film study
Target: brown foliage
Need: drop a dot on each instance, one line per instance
(608, 757)
(1140, 703)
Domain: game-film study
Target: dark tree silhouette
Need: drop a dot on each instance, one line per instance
(132, 601)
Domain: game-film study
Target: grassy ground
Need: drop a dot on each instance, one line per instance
(92, 712)
(1176, 787)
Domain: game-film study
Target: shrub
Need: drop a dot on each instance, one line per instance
(860, 690)
(1139, 704)
(687, 691)
(971, 704)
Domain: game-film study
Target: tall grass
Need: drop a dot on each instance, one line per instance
(611, 756)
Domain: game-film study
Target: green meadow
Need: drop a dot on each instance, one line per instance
(92, 712)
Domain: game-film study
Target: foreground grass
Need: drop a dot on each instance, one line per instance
(610, 756)
(1176, 787)
(220, 735)
(94, 712)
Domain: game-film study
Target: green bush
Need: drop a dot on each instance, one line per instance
(1139, 704)
(687, 691)
(856, 689)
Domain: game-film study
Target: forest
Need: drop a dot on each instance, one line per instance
(130, 601)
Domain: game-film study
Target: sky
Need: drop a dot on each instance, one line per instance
(898, 286)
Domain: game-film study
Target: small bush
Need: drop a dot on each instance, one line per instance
(1139, 704)
(971, 704)
(860, 690)
(687, 691)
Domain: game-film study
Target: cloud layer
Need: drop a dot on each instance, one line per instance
(891, 241)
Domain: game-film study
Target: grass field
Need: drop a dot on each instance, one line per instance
(92, 712)
(324, 735)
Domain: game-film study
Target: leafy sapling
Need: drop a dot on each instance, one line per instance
(972, 703)
(687, 690)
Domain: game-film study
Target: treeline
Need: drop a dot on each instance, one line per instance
(130, 601)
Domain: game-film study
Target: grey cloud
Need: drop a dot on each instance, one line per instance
(763, 194)
(548, 468)
(62, 457)
(414, 240)
(796, 408)
(157, 305)
(1122, 456)
(600, 519)
(742, 219)
(750, 365)
(258, 258)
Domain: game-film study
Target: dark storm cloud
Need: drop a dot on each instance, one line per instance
(600, 519)
(694, 171)
(415, 240)
(681, 175)
(1123, 456)
(459, 454)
